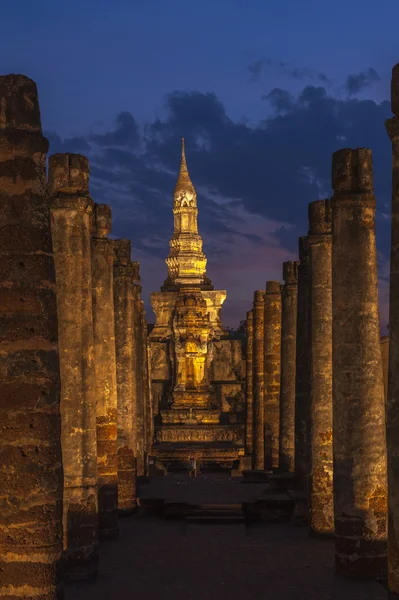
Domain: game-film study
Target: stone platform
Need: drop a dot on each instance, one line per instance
(223, 453)
(201, 433)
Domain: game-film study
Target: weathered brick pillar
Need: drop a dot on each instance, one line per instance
(303, 372)
(71, 209)
(31, 477)
(384, 341)
(150, 436)
(139, 371)
(272, 349)
(249, 414)
(124, 328)
(321, 477)
(392, 126)
(258, 380)
(105, 364)
(288, 353)
(359, 443)
(147, 391)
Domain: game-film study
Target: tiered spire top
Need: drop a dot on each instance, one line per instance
(184, 183)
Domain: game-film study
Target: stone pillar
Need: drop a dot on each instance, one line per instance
(321, 453)
(126, 417)
(71, 209)
(30, 430)
(359, 443)
(392, 126)
(105, 362)
(272, 349)
(249, 419)
(139, 377)
(384, 341)
(303, 372)
(150, 434)
(258, 380)
(146, 391)
(288, 353)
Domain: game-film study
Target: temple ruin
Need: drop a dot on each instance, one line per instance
(197, 372)
(94, 406)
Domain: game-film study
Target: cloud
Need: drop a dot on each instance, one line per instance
(253, 182)
(125, 134)
(357, 82)
(279, 99)
(256, 68)
(300, 73)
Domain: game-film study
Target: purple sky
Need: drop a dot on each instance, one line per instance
(263, 96)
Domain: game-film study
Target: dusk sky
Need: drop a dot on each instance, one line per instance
(263, 92)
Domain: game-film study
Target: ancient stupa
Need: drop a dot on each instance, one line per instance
(197, 374)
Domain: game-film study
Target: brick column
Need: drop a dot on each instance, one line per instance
(30, 430)
(288, 353)
(258, 380)
(105, 361)
(384, 341)
(272, 349)
(139, 371)
(126, 417)
(321, 477)
(303, 373)
(359, 444)
(147, 392)
(392, 126)
(71, 209)
(249, 418)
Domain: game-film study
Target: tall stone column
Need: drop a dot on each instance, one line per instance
(139, 371)
(124, 346)
(71, 209)
(272, 349)
(30, 430)
(146, 391)
(303, 371)
(392, 126)
(258, 380)
(249, 418)
(359, 443)
(384, 341)
(288, 353)
(105, 361)
(321, 477)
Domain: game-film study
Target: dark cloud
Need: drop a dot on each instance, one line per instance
(253, 183)
(357, 82)
(300, 73)
(280, 100)
(125, 134)
(256, 68)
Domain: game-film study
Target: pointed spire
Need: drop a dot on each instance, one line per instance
(184, 182)
(183, 162)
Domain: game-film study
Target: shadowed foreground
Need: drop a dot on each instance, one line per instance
(176, 561)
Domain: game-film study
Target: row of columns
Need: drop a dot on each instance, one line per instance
(322, 326)
(75, 410)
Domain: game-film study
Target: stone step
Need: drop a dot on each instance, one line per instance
(254, 476)
(215, 513)
(281, 481)
(208, 519)
(270, 507)
(175, 510)
(216, 506)
(275, 499)
(301, 511)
